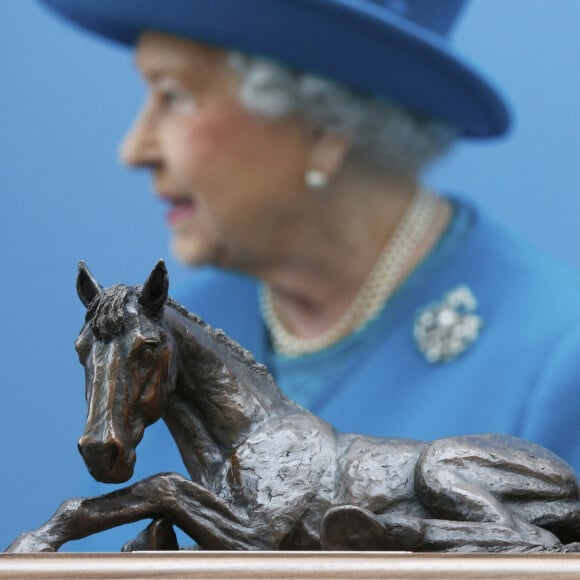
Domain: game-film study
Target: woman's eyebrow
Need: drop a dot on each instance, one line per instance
(157, 65)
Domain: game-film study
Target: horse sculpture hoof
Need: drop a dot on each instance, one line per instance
(351, 527)
(158, 535)
(29, 543)
(572, 548)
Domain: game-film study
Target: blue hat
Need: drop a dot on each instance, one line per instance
(391, 48)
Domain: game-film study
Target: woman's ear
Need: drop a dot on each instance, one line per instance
(328, 152)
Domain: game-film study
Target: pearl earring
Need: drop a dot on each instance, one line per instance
(315, 179)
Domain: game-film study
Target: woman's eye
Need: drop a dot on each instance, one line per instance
(177, 101)
(170, 98)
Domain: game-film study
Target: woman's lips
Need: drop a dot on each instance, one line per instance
(179, 210)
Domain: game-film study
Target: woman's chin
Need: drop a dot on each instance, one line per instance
(190, 250)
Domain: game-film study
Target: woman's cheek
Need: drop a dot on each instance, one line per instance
(186, 147)
(201, 144)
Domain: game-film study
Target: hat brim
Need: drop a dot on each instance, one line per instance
(360, 45)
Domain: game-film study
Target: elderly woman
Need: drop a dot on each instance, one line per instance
(289, 138)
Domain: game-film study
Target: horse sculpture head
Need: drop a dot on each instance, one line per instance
(129, 361)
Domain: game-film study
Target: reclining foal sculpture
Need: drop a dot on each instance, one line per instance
(268, 474)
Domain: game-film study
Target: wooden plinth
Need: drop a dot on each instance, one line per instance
(287, 565)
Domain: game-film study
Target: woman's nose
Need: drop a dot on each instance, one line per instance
(139, 147)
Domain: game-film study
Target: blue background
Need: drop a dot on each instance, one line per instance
(65, 101)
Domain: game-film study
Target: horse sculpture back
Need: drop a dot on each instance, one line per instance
(266, 473)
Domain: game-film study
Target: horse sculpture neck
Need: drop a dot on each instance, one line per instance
(221, 393)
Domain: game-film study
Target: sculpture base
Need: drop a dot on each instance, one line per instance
(288, 565)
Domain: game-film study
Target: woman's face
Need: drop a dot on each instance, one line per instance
(233, 181)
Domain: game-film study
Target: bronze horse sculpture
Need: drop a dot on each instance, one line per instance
(266, 474)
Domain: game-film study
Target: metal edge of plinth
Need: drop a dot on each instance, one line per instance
(288, 565)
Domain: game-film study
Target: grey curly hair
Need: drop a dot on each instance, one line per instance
(390, 137)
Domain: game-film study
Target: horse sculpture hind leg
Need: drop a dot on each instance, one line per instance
(355, 528)
(350, 527)
(483, 493)
(497, 480)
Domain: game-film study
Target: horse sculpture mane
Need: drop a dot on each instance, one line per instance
(266, 473)
(223, 341)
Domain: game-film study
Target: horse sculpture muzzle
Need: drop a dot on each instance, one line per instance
(107, 460)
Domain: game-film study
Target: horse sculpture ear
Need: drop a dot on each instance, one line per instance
(87, 286)
(154, 291)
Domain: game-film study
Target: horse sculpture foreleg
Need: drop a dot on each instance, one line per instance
(158, 535)
(197, 511)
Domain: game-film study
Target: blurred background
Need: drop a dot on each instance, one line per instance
(66, 100)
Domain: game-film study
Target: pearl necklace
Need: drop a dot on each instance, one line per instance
(378, 287)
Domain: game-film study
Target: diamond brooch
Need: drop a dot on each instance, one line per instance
(443, 330)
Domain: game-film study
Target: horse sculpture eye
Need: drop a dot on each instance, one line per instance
(145, 353)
